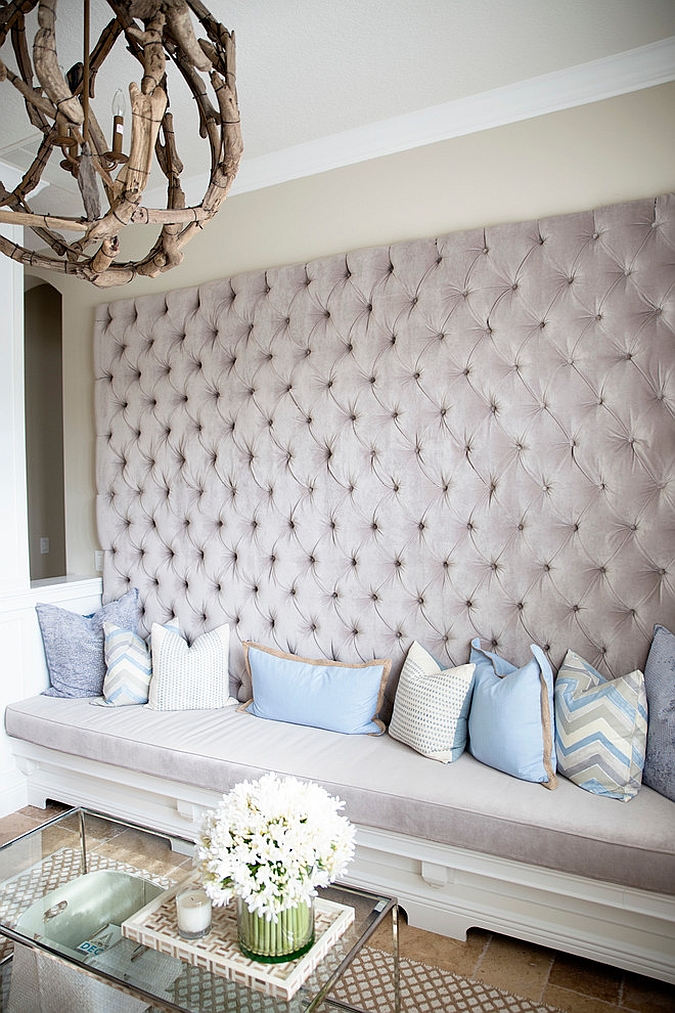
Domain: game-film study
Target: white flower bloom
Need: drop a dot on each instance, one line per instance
(272, 842)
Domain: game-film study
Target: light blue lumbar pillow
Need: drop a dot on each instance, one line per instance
(74, 644)
(601, 728)
(431, 707)
(511, 722)
(659, 771)
(323, 694)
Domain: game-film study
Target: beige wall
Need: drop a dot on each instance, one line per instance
(619, 149)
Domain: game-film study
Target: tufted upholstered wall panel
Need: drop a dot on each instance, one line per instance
(443, 438)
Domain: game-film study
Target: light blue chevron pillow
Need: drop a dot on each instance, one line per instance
(128, 667)
(601, 728)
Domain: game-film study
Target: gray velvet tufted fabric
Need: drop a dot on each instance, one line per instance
(439, 439)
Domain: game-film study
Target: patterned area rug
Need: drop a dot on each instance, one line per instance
(424, 989)
(367, 983)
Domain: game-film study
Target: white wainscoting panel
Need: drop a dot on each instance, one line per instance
(24, 671)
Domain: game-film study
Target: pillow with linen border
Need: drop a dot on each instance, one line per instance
(74, 644)
(189, 676)
(659, 771)
(431, 706)
(128, 668)
(323, 694)
(511, 721)
(601, 728)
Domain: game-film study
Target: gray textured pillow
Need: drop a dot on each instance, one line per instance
(74, 644)
(659, 770)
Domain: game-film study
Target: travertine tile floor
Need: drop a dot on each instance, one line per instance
(570, 983)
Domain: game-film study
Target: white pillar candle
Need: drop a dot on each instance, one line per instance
(193, 912)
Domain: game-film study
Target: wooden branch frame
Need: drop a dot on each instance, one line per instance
(155, 31)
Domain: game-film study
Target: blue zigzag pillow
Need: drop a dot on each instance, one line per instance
(128, 668)
(601, 728)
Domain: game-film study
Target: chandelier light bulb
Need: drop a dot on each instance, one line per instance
(119, 106)
(118, 110)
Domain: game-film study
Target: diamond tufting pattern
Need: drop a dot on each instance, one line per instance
(441, 439)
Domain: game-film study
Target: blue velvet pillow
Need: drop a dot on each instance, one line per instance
(659, 769)
(511, 722)
(74, 644)
(323, 694)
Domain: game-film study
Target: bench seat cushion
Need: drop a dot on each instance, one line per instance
(384, 784)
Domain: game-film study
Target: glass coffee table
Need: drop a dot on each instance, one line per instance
(88, 903)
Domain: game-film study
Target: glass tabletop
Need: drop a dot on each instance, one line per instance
(71, 888)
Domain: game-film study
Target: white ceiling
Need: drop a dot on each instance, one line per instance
(308, 68)
(309, 71)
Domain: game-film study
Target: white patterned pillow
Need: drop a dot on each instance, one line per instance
(128, 667)
(432, 706)
(601, 728)
(194, 677)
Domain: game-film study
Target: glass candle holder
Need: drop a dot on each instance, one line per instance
(193, 913)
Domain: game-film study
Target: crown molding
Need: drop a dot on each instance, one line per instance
(632, 70)
(625, 72)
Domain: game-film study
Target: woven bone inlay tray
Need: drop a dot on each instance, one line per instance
(155, 926)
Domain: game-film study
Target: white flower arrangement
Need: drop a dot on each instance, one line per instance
(272, 842)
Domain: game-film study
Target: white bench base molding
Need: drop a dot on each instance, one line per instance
(443, 889)
(615, 925)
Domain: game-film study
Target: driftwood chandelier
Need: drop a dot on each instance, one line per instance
(58, 104)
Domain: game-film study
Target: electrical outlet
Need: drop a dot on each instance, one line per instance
(44, 546)
(98, 560)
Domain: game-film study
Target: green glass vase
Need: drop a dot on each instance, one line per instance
(275, 942)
